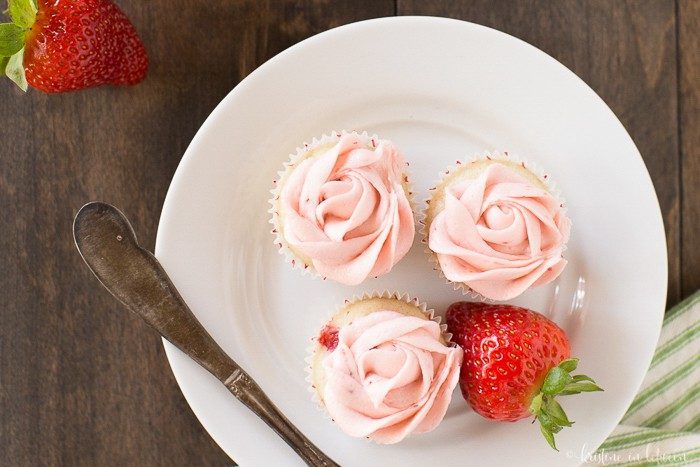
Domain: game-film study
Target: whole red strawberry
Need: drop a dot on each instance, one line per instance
(66, 45)
(515, 362)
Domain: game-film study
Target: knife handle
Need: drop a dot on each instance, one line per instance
(247, 391)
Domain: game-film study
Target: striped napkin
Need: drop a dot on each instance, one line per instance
(662, 426)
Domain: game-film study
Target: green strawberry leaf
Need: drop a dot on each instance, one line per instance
(557, 413)
(15, 70)
(555, 381)
(576, 388)
(578, 378)
(549, 436)
(548, 422)
(3, 64)
(23, 13)
(11, 39)
(569, 364)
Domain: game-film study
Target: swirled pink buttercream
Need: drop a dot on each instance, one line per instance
(499, 234)
(390, 376)
(346, 210)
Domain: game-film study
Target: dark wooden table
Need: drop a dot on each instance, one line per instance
(84, 384)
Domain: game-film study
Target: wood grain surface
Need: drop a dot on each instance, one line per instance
(689, 118)
(84, 383)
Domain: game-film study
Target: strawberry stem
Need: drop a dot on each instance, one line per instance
(558, 382)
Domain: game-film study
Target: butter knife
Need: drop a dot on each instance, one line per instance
(108, 245)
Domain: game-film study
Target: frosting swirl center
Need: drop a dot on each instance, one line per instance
(346, 210)
(389, 376)
(499, 234)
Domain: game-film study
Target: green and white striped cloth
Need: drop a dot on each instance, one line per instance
(662, 426)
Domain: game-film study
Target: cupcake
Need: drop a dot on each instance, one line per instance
(341, 208)
(496, 228)
(383, 368)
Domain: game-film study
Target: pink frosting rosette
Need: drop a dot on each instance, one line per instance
(344, 210)
(499, 234)
(390, 375)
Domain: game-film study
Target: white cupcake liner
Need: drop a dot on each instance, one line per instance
(424, 228)
(307, 267)
(429, 313)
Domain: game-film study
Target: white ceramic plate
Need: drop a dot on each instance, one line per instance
(441, 90)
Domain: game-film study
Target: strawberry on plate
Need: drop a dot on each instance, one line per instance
(66, 45)
(516, 362)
